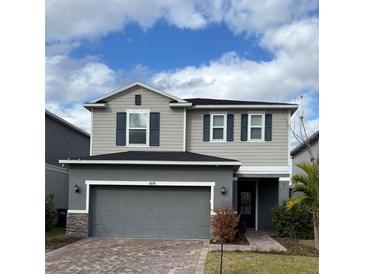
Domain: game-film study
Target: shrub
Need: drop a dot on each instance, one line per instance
(50, 212)
(293, 219)
(225, 223)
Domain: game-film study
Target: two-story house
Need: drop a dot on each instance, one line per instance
(62, 140)
(159, 165)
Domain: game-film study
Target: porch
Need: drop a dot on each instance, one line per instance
(254, 199)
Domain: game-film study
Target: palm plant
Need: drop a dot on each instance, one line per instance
(308, 185)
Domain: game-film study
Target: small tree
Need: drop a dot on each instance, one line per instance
(50, 212)
(308, 186)
(225, 223)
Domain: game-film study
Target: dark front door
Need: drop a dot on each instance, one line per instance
(247, 202)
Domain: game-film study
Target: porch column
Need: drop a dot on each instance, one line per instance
(283, 189)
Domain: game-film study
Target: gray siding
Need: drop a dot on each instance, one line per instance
(104, 122)
(304, 156)
(62, 142)
(268, 153)
(57, 183)
(222, 176)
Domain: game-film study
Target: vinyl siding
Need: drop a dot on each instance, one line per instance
(303, 156)
(104, 122)
(268, 153)
(61, 142)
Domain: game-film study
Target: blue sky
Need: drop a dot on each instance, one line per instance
(165, 47)
(248, 50)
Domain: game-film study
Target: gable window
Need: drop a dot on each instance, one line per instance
(218, 127)
(137, 128)
(256, 127)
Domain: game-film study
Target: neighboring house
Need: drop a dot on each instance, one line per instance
(300, 153)
(63, 140)
(159, 165)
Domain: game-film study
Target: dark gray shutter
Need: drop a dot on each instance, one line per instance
(244, 125)
(154, 129)
(137, 100)
(206, 127)
(268, 127)
(230, 127)
(121, 128)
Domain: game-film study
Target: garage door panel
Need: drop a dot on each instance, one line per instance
(150, 212)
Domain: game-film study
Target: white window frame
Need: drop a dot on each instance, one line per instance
(224, 127)
(147, 112)
(262, 127)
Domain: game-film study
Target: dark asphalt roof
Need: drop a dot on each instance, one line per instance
(208, 101)
(65, 123)
(155, 156)
(314, 137)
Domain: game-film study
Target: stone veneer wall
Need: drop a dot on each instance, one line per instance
(77, 224)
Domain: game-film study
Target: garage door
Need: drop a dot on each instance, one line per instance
(150, 212)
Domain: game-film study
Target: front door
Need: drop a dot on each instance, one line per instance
(247, 202)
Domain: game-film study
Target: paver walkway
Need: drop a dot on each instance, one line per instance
(258, 241)
(118, 255)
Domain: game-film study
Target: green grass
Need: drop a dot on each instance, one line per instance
(298, 247)
(248, 262)
(56, 238)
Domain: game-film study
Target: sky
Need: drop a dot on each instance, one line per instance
(248, 50)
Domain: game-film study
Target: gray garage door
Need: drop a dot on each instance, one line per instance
(150, 212)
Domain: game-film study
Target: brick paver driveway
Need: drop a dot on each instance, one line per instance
(118, 255)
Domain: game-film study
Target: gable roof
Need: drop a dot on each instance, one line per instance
(124, 88)
(65, 123)
(209, 101)
(153, 158)
(311, 139)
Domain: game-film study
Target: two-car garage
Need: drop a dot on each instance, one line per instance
(147, 194)
(181, 212)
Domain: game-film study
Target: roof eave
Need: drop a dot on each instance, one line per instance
(152, 162)
(90, 106)
(121, 89)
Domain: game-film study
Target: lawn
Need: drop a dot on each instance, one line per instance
(56, 238)
(300, 257)
(298, 247)
(249, 262)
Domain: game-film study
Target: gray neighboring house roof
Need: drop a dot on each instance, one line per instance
(311, 139)
(65, 123)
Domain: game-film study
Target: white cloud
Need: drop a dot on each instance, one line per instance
(70, 20)
(75, 114)
(69, 80)
(292, 71)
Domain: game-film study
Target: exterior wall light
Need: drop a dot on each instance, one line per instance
(223, 190)
(76, 188)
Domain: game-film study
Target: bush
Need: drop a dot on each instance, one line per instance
(225, 224)
(293, 219)
(50, 212)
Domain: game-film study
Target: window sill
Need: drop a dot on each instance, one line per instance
(136, 145)
(218, 141)
(255, 141)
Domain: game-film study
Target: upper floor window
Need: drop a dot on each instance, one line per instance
(256, 127)
(218, 127)
(137, 128)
